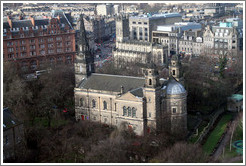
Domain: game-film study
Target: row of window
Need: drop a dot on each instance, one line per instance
(130, 112)
(93, 104)
(41, 40)
(134, 22)
(67, 49)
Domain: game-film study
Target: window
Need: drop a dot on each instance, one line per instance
(93, 103)
(58, 38)
(41, 46)
(59, 44)
(9, 43)
(50, 45)
(68, 49)
(50, 51)
(50, 39)
(149, 114)
(134, 22)
(145, 23)
(81, 102)
(139, 23)
(150, 82)
(129, 111)
(32, 46)
(10, 49)
(59, 50)
(134, 112)
(23, 42)
(104, 105)
(32, 53)
(124, 111)
(40, 40)
(174, 72)
(32, 41)
(174, 110)
(68, 43)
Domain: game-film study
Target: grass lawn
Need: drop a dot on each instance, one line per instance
(216, 134)
(238, 135)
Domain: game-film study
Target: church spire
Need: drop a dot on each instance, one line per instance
(84, 62)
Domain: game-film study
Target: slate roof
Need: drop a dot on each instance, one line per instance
(41, 22)
(6, 25)
(22, 23)
(112, 83)
(137, 92)
(9, 120)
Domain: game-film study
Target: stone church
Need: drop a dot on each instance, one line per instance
(142, 103)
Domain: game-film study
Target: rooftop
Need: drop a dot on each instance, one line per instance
(113, 83)
(156, 16)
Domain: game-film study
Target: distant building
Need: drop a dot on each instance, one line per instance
(141, 27)
(140, 103)
(171, 34)
(105, 9)
(224, 39)
(191, 43)
(35, 41)
(235, 103)
(13, 134)
(133, 38)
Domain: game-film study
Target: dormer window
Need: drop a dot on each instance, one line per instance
(150, 82)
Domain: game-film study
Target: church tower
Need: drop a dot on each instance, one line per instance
(84, 62)
(151, 92)
(122, 28)
(175, 68)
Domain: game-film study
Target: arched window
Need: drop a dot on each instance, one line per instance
(129, 111)
(150, 82)
(134, 112)
(81, 102)
(93, 103)
(104, 105)
(124, 111)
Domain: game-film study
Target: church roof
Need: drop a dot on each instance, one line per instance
(137, 92)
(106, 82)
(174, 87)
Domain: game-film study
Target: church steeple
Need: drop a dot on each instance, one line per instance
(151, 76)
(174, 68)
(84, 62)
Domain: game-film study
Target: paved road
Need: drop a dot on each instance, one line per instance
(225, 140)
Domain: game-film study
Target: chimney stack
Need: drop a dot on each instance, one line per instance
(10, 21)
(121, 89)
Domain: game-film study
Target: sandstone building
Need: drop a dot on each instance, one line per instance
(142, 103)
(32, 42)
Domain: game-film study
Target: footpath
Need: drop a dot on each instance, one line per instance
(217, 155)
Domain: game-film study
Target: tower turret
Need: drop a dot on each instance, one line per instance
(84, 62)
(122, 28)
(174, 68)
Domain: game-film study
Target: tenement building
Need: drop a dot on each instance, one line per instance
(35, 41)
(142, 103)
(224, 39)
